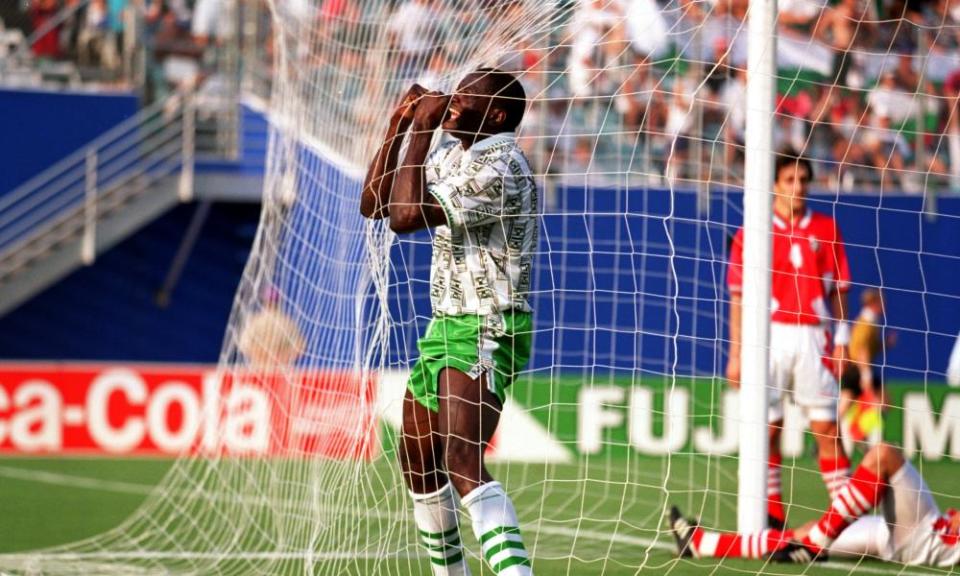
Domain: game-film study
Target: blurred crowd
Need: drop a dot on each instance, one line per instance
(159, 44)
(866, 88)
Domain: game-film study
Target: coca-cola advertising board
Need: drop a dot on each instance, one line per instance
(99, 409)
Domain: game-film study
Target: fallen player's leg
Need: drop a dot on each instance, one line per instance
(694, 540)
(864, 491)
(917, 532)
(868, 536)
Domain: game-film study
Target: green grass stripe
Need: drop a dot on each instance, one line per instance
(440, 535)
(503, 546)
(498, 531)
(447, 561)
(511, 561)
(442, 547)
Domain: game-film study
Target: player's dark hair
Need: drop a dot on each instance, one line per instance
(508, 94)
(869, 296)
(790, 157)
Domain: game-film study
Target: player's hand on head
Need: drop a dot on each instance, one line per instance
(431, 110)
(405, 111)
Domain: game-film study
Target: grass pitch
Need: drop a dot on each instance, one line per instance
(598, 516)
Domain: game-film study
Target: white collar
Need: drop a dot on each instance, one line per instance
(779, 222)
(489, 142)
(782, 224)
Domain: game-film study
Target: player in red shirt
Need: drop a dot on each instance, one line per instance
(809, 272)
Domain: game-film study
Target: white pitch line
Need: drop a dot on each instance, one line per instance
(74, 556)
(73, 481)
(89, 483)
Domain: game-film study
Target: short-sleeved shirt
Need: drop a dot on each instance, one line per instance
(483, 258)
(809, 264)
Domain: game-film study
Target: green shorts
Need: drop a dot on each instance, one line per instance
(474, 345)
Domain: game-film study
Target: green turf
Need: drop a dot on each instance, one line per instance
(596, 516)
(600, 514)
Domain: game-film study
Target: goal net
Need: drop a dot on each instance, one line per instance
(635, 131)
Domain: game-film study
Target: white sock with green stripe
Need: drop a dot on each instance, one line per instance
(495, 524)
(436, 518)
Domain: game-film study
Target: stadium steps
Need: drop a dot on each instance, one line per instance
(96, 197)
(44, 259)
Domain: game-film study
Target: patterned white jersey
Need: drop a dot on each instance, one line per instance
(483, 258)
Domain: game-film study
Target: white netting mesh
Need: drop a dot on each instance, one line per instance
(635, 130)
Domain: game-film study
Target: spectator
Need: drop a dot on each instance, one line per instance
(597, 38)
(42, 16)
(412, 30)
(638, 99)
(733, 99)
(647, 29)
(93, 35)
(886, 149)
(176, 55)
(439, 66)
(888, 100)
(679, 121)
(848, 24)
(210, 22)
(800, 15)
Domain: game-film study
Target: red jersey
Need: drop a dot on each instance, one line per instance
(809, 263)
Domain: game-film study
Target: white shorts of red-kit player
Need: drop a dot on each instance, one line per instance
(800, 370)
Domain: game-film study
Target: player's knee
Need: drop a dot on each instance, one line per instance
(417, 454)
(463, 458)
(825, 432)
(826, 429)
(423, 482)
(888, 459)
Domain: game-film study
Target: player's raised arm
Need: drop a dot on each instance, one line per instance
(411, 208)
(375, 197)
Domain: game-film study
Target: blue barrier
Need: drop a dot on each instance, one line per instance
(40, 128)
(635, 280)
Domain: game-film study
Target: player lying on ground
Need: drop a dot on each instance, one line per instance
(477, 189)
(911, 531)
(809, 272)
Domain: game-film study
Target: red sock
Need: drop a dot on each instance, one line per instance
(774, 495)
(835, 472)
(707, 544)
(861, 494)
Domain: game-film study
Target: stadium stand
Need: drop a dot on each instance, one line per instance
(854, 111)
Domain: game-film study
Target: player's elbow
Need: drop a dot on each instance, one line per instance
(404, 221)
(371, 209)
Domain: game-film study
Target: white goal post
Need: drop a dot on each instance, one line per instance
(757, 212)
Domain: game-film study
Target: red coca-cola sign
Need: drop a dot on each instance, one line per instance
(173, 410)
